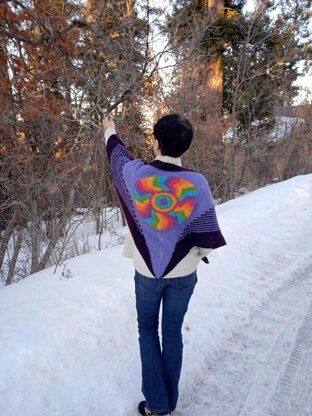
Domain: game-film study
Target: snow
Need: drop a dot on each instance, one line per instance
(79, 237)
(69, 344)
(284, 126)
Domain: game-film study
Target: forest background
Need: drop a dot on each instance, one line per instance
(64, 64)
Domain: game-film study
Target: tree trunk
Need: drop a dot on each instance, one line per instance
(130, 7)
(215, 86)
(57, 230)
(66, 213)
(13, 261)
(5, 86)
(214, 69)
(215, 7)
(6, 238)
(214, 110)
(34, 224)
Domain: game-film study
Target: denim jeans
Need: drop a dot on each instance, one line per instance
(161, 365)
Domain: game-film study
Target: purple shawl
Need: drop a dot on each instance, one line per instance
(169, 209)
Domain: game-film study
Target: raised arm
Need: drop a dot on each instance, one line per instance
(121, 164)
(117, 153)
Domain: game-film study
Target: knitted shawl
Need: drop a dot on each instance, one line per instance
(169, 209)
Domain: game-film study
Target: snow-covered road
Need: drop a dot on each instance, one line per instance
(264, 366)
(283, 385)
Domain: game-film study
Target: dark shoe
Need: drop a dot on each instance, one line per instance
(144, 411)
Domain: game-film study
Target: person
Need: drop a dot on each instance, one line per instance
(173, 225)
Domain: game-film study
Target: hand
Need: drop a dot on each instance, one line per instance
(107, 123)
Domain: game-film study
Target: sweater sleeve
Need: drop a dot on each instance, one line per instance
(117, 153)
(118, 158)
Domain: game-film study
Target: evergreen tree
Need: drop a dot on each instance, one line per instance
(233, 68)
(201, 32)
(248, 62)
(262, 64)
(209, 27)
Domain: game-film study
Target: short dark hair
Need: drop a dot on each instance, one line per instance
(174, 134)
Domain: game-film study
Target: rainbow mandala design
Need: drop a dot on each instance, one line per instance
(164, 201)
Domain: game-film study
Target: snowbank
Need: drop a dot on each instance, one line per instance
(69, 344)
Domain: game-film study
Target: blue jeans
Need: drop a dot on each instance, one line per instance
(161, 367)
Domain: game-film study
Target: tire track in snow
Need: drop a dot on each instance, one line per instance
(259, 358)
(287, 392)
(283, 387)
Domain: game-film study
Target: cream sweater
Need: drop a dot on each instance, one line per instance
(186, 266)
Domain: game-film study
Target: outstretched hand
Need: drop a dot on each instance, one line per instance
(107, 123)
